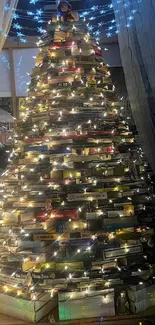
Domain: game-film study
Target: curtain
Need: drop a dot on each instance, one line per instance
(136, 34)
(6, 117)
(6, 18)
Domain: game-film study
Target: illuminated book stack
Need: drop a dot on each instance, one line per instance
(76, 196)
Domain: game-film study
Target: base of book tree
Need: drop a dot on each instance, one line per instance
(69, 307)
(106, 303)
(27, 310)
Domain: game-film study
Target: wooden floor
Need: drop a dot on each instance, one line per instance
(117, 320)
(6, 320)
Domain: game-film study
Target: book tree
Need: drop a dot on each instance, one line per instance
(77, 202)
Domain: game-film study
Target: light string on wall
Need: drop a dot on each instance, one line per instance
(97, 15)
(39, 17)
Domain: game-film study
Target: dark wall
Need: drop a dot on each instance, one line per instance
(3, 157)
(119, 81)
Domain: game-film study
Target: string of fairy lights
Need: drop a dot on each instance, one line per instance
(100, 17)
(41, 17)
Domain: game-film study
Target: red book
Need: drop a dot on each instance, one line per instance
(32, 140)
(102, 133)
(64, 214)
(58, 45)
(97, 51)
(70, 70)
(41, 216)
